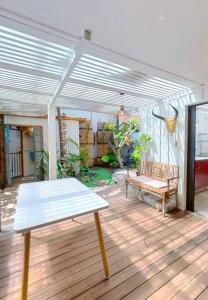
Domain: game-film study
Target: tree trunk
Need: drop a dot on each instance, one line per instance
(62, 140)
(60, 134)
(118, 151)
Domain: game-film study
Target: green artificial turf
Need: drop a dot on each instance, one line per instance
(99, 177)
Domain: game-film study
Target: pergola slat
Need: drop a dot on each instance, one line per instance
(33, 69)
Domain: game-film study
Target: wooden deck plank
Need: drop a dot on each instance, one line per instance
(71, 239)
(156, 282)
(203, 295)
(41, 256)
(141, 245)
(118, 258)
(194, 288)
(170, 289)
(120, 283)
(92, 260)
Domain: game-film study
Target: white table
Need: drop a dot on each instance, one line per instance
(47, 202)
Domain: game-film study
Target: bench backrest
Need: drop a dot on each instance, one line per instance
(159, 171)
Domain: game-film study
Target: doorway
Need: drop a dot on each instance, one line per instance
(16, 152)
(197, 159)
(23, 145)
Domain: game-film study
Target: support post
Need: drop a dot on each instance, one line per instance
(52, 141)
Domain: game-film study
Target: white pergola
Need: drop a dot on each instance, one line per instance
(38, 75)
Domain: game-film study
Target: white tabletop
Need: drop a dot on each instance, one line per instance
(47, 202)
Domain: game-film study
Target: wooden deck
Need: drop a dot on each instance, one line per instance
(150, 256)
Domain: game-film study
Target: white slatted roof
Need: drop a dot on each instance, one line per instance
(94, 70)
(31, 69)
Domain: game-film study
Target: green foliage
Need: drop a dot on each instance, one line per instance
(84, 171)
(110, 159)
(84, 156)
(72, 164)
(84, 174)
(99, 177)
(72, 141)
(60, 170)
(142, 146)
(71, 168)
(71, 160)
(43, 165)
(122, 136)
(109, 126)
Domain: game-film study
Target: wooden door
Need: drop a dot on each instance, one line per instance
(7, 156)
(15, 152)
(38, 148)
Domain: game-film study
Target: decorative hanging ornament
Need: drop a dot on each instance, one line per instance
(123, 116)
(170, 122)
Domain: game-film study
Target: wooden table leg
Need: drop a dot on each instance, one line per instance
(25, 273)
(101, 243)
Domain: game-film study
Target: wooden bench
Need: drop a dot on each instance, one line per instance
(156, 178)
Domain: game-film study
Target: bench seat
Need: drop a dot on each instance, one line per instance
(156, 178)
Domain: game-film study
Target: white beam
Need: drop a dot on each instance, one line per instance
(81, 100)
(100, 110)
(113, 89)
(80, 49)
(52, 141)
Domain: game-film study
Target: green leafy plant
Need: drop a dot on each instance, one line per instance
(59, 168)
(84, 174)
(84, 171)
(72, 164)
(142, 147)
(110, 159)
(122, 135)
(70, 169)
(84, 156)
(43, 164)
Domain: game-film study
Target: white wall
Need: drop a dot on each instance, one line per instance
(201, 130)
(29, 121)
(72, 128)
(94, 116)
(170, 148)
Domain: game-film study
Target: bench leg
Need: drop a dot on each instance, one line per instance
(141, 194)
(176, 198)
(25, 274)
(101, 243)
(127, 187)
(163, 204)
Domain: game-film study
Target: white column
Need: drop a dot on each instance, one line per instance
(52, 141)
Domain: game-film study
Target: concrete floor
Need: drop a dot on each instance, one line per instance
(201, 203)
